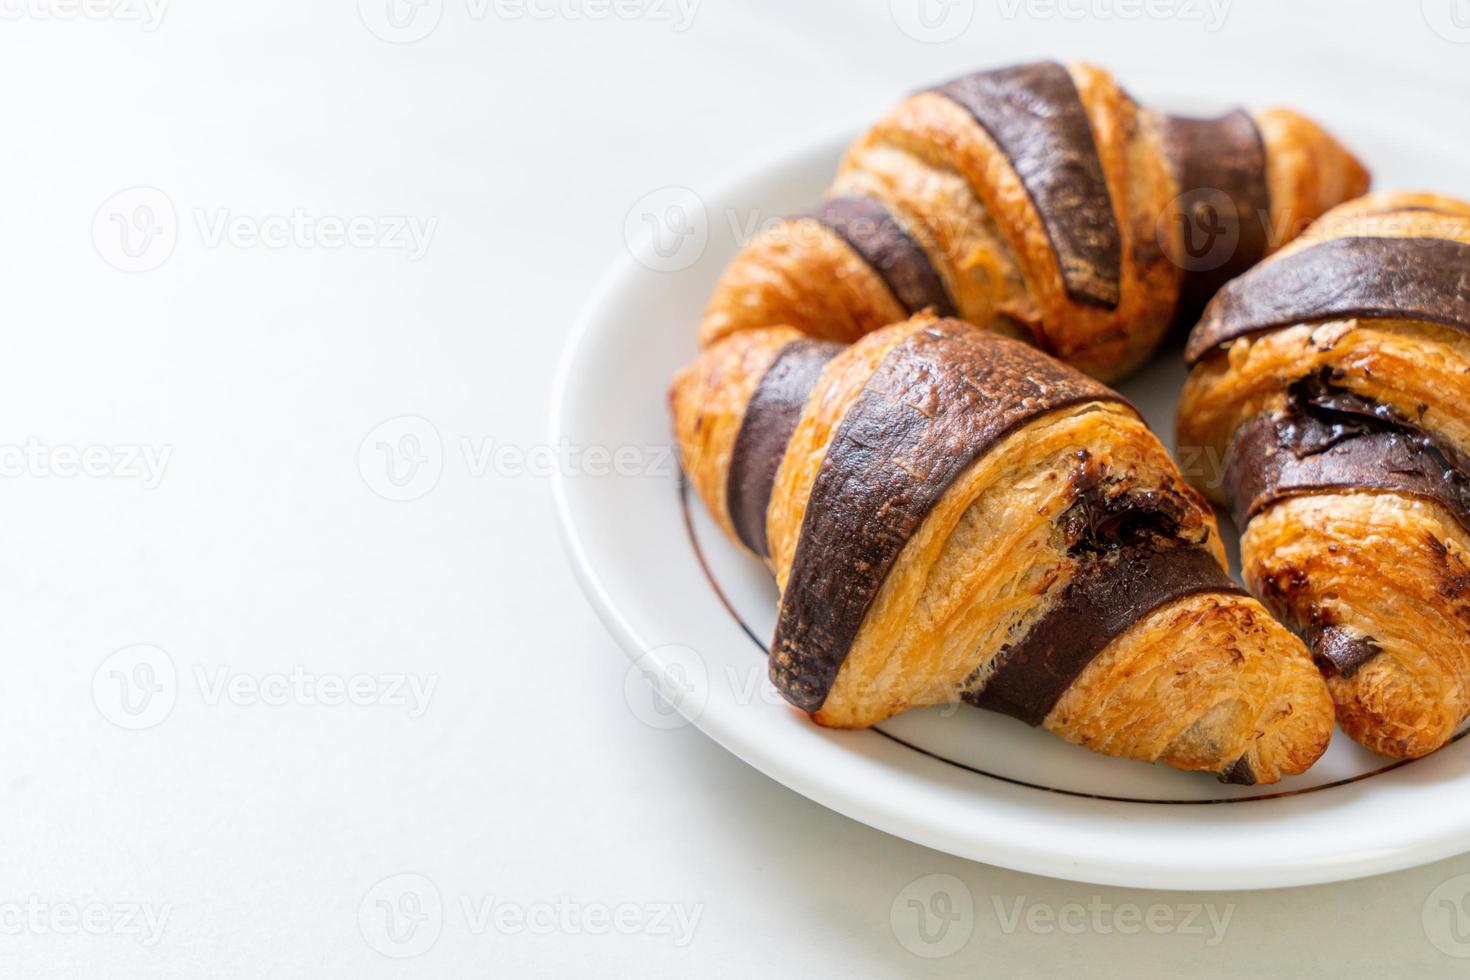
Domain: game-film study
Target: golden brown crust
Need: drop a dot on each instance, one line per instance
(834, 394)
(1006, 267)
(1402, 364)
(945, 180)
(772, 281)
(1393, 568)
(1307, 172)
(1198, 683)
(707, 401)
(1386, 567)
(1111, 344)
(938, 205)
(993, 558)
(1393, 214)
(982, 566)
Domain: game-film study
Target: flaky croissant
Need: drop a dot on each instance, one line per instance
(952, 514)
(1331, 393)
(1042, 202)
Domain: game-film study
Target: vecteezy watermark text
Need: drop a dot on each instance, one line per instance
(123, 461)
(138, 229)
(403, 459)
(1211, 13)
(147, 14)
(1203, 919)
(669, 686)
(137, 687)
(403, 916)
(935, 916)
(37, 916)
(409, 21)
(299, 228)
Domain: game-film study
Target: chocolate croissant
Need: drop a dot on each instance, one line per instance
(1331, 386)
(951, 514)
(1040, 201)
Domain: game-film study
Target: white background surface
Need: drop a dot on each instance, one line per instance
(259, 831)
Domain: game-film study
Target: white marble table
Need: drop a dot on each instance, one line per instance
(248, 698)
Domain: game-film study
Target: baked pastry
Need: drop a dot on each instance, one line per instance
(1332, 386)
(951, 514)
(1040, 201)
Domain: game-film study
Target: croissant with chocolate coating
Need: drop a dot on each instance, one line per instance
(1332, 385)
(1040, 201)
(950, 513)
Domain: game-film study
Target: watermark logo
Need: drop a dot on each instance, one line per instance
(402, 459)
(932, 21)
(668, 687)
(1446, 917)
(136, 687)
(1450, 19)
(667, 230)
(135, 230)
(401, 916)
(933, 916)
(1209, 226)
(401, 21)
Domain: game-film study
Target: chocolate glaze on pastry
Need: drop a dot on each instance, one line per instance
(770, 418)
(1132, 560)
(953, 509)
(1217, 162)
(1040, 201)
(1059, 165)
(1109, 593)
(1405, 278)
(1330, 438)
(887, 247)
(1239, 773)
(1334, 382)
(936, 403)
(1339, 650)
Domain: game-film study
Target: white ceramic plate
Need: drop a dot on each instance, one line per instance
(695, 614)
